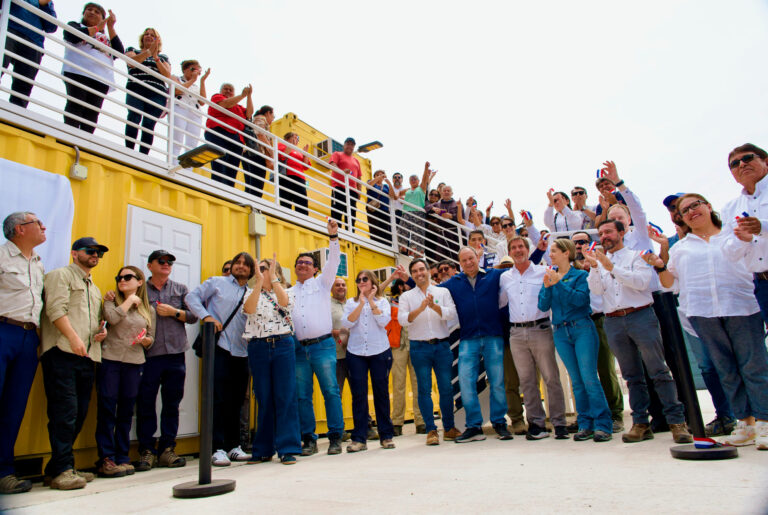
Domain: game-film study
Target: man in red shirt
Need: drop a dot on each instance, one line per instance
(349, 165)
(222, 131)
(293, 188)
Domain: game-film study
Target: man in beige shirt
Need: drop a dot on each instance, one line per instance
(72, 333)
(21, 299)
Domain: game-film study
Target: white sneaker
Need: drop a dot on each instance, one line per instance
(761, 435)
(741, 436)
(220, 459)
(238, 454)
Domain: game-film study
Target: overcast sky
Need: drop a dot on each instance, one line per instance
(506, 99)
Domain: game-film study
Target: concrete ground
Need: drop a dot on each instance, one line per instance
(545, 476)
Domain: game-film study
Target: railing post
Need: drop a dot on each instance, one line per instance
(393, 222)
(171, 123)
(5, 15)
(348, 202)
(276, 169)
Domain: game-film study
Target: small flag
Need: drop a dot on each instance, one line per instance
(141, 335)
(545, 237)
(592, 246)
(601, 173)
(646, 252)
(614, 191)
(553, 268)
(527, 215)
(103, 325)
(745, 214)
(705, 443)
(656, 229)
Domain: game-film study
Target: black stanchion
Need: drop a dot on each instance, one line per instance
(205, 486)
(672, 333)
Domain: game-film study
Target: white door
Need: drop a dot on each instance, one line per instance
(148, 231)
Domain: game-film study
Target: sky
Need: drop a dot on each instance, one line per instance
(505, 99)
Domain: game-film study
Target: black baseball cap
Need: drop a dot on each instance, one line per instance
(88, 242)
(350, 140)
(157, 254)
(670, 199)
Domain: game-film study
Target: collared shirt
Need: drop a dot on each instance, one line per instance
(755, 204)
(270, 318)
(710, 284)
(367, 334)
(21, 284)
(170, 334)
(568, 298)
(753, 254)
(568, 220)
(428, 324)
(312, 310)
(122, 330)
(627, 285)
(69, 292)
(636, 237)
(337, 314)
(521, 292)
(217, 297)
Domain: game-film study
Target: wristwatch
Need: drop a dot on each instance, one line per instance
(178, 313)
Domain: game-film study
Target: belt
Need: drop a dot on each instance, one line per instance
(433, 341)
(27, 326)
(530, 324)
(312, 341)
(569, 323)
(596, 316)
(761, 276)
(625, 312)
(273, 339)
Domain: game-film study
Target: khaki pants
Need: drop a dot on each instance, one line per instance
(512, 388)
(401, 364)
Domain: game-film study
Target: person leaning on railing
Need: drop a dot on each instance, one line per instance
(146, 94)
(349, 164)
(410, 231)
(260, 152)
(378, 207)
(221, 130)
(187, 117)
(98, 63)
(294, 190)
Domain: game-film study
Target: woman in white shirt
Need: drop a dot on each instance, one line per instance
(559, 216)
(272, 359)
(187, 118)
(717, 294)
(366, 317)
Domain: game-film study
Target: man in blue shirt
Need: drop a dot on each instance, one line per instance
(476, 294)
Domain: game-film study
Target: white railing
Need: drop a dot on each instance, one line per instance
(262, 183)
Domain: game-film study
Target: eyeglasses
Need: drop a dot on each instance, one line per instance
(577, 193)
(165, 261)
(363, 279)
(263, 268)
(744, 159)
(38, 222)
(693, 205)
(226, 270)
(92, 252)
(507, 226)
(434, 277)
(580, 242)
(305, 262)
(126, 277)
(442, 269)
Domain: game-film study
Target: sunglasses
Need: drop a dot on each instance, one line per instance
(92, 252)
(363, 279)
(226, 270)
(693, 205)
(580, 242)
(165, 261)
(434, 277)
(507, 226)
(495, 222)
(126, 277)
(263, 268)
(744, 159)
(577, 193)
(442, 269)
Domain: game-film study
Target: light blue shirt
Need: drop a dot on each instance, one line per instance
(217, 297)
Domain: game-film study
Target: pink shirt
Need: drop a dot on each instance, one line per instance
(344, 162)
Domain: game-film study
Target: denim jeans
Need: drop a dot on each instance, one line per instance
(378, 366)
(318, 359)
(166, 374)
(491, 349)
(606, 371)
(116, 390)
(737, 347)
(437, 357)
(710, 376)
(273, 366)
(761, 294)
(577, 344)
(635, 339)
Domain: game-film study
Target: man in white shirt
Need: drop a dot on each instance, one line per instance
(623, 279)
(532, 343)
(315, 345)
(426, 311)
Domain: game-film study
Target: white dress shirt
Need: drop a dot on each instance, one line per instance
(428, 324)
(267, 320)
(636, 237)
(755, 205)
(521, 292)
(21, 285)
(367, 334)
(626, 286)
(710, 284)
(753, 254)
(568, 220)
(312, 310)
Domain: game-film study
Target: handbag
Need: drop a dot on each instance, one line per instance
(197, 345)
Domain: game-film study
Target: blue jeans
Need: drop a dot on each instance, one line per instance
(426, 357)
(737, 347)
(117, 386)
(761, 294)
(139, 112)
(273, 364)
(710, 377)
(635, 339)
(491, 349)
(578, 344)
(378, 366)
(318, 359)
(166, 371)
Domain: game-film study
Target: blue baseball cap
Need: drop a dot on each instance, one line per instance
(670, 199)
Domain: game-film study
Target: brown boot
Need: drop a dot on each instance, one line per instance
(108, 468)
(168, 458)
(433, 438)
(680, 433)
(451, 434)
(638, 433)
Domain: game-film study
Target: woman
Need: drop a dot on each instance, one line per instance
(378, 208)
(566, 293)
(186, 109)
(559, 216)
(258, 157)
(147, 95)
(294, 189)
(717, 295)
(131, 330)
(269, 331)
(98, 63)
(366, 316)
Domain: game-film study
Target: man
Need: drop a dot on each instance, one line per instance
(315, 344)
(622, 278)
(226, 268)
(223, 130)
(434, 274)
(608, 197)
(348, 164)
(446, 269)
(397, 194)
(339, 333)
(476, 294)
(606, 361)
(377, 207)
(259, 152)
(447, 211)
(165, 368)
(531, 342)
(218, 300)
(579, 196)
(71, 334)
(410, 230)
(425, 311)
(21, 301)
(477, 243)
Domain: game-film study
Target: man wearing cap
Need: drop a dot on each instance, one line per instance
(165, 367)
(21, 301)
(71, 334)
(349, 165)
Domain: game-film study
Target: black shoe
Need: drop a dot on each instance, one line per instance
(308, 448)
(602, 436)
(471, 434)
(561, 433)
(535, 432)
(583, 435)
(421, 429)
(397, 430)
(502, 431)
(573, 428)
(335, 446)
(288, 459)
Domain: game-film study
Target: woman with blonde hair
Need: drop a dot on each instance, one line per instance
(366, 316)
(131, 322)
